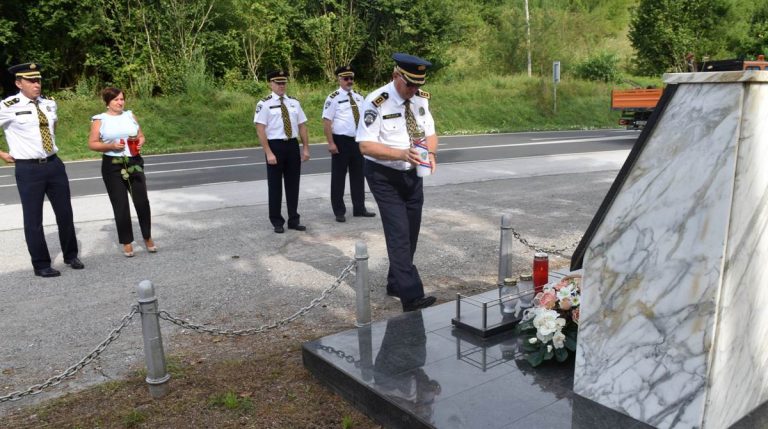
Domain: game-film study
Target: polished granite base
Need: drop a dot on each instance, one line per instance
(415, 370)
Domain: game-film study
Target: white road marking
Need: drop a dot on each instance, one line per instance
(538, 143)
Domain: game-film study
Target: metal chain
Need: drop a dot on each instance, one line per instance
(340, 354)
(551, 251)
(72, 370)
(251, 331)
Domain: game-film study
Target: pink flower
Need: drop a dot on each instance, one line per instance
(575, 315)
(548, 300)
(561, 284)
(565, 304)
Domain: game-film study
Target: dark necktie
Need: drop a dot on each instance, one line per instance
(45, 132)
(286, 120)
(355, 112)
(410, 121)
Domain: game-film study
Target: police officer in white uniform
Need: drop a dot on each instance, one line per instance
(29, 123)
(279, 120)
(392, 116)
(341, 114)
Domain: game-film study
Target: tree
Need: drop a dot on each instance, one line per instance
(663, 32)
(335, 37)
(257, 34)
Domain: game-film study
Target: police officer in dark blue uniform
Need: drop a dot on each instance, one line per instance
(393, 116)
(29, 123)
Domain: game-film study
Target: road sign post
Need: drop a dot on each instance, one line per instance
(555, 80)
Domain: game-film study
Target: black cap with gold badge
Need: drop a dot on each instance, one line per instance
(26, 70)
(413, 69)
(345, 71)
(277, 76)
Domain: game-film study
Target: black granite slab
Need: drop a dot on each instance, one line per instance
(416, 370)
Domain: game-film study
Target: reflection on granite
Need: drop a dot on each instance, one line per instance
(672, 316)
(399, 368)
(417, 371)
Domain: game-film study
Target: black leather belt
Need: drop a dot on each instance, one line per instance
(36, 161)
(294, 139)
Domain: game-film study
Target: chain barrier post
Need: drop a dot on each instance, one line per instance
(505, 248)
(362, 292)
(157, 375)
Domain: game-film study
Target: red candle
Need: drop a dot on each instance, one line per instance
(540, 271)
(133, 145)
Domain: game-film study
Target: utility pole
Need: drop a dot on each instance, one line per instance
(528, 27)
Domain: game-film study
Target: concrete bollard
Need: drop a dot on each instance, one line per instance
(157, 375)
(505, 246)
(362, 291)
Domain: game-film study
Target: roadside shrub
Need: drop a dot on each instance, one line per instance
(601, 67)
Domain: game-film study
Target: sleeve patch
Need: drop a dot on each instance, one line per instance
(369, 117)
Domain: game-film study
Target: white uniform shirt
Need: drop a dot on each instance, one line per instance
(18, 118)
(383, 120)
(338, 109)
(269, 113)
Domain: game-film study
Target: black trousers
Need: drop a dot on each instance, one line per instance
(36, 181)
(119, 189)
(400, 197)
(349, 159)
(288, 171)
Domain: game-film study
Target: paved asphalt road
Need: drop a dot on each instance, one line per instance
(175, 171)
(221, 264)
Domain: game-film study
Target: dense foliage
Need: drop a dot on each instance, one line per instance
(168, 46)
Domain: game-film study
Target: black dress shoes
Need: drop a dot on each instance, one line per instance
(297, 227)
(341, 218)
(365, 213)
(419, 303)
(279, 229)
(392, 292)
(47, 272)
(75, 264)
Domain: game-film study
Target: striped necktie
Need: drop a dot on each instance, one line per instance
(355, 112)
(286, 120)
(45, 131)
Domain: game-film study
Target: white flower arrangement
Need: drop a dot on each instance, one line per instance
(550, 327)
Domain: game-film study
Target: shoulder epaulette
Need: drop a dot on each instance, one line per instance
(46, 97)
(292, 98)
(267, 97)
(11, 102)
(380, 99)
(423, 94)
(334, 93)
(359, 93)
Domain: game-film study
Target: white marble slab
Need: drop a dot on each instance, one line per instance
(654, 268)
(739, 369)
(756, 76)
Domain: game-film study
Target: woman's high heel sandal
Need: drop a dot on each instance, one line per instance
(128, 250)
(150, 245)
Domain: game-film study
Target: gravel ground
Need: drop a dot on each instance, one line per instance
(223, 266)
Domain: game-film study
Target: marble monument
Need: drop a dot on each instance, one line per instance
(674, 313)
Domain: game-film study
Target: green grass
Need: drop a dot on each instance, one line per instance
(223, 119)
(231, 401)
